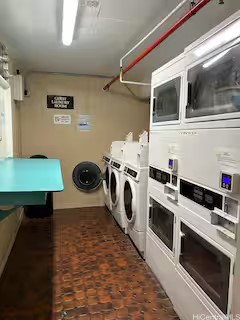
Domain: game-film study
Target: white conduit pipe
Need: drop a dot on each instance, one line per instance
(179, 6)
(3, 83)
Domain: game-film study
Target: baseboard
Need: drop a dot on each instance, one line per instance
(77, 205)
(79, 210)
(4, 262)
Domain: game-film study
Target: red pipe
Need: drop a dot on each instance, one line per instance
(163, 37)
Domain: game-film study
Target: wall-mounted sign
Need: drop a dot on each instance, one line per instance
(83, 122)
(60, 102)
(62, 119)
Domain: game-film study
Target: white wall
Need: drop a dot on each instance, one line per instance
(8, 148)
(6, 128)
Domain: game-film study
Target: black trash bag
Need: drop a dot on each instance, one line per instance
(40, 211)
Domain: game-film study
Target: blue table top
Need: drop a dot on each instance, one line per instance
(30, 175)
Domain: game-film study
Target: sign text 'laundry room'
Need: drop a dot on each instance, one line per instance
(60, 102)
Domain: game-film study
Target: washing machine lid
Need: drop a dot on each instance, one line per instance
(130, 200)
(135, 153)
(116, 149)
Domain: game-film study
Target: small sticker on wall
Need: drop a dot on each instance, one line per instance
(62, 119)
(83, 122)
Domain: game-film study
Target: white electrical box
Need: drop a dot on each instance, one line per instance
(230, 182)
(18, 87)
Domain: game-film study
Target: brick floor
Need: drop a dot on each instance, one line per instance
(79, 265)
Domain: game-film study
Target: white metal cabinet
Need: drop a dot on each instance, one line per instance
(212, 77)
(166, 95)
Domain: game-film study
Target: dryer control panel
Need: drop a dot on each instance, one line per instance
(230, 182)
(172, 164)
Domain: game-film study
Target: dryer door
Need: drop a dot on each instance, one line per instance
(130, 201)
(114, 188)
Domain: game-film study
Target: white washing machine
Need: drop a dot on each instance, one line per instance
(116, 149)
(134, 193)
(135, 153)
(132, 152)
(116, 183)
(106, 179)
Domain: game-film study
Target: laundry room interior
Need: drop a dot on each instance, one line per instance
(120, 159)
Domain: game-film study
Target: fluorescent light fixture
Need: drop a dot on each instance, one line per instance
(221, 54)
(70, 9)
(216, 58)
(226, 35)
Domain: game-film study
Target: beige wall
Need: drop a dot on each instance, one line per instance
(113, 115)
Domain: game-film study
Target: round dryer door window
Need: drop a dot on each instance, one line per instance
(128, 198)
(113, 188)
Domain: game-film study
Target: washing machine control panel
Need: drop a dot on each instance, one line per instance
(106, 159)
(230, 182)
(115, 164)
(131, 172)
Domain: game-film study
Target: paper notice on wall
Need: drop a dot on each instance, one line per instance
(83, 122)
(62, 119)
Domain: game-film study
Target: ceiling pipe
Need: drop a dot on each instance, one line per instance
(164, 36)
(164, 20)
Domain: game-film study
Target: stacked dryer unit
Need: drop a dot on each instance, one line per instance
(194, 180)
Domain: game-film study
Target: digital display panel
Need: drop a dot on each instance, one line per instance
(170, 163)
(226, 179)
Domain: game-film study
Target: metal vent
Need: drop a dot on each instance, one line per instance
(90, 12)
(92, 3)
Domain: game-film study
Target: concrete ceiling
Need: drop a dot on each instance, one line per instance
(32, 31)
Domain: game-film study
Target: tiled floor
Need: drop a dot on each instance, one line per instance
(78, 265)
